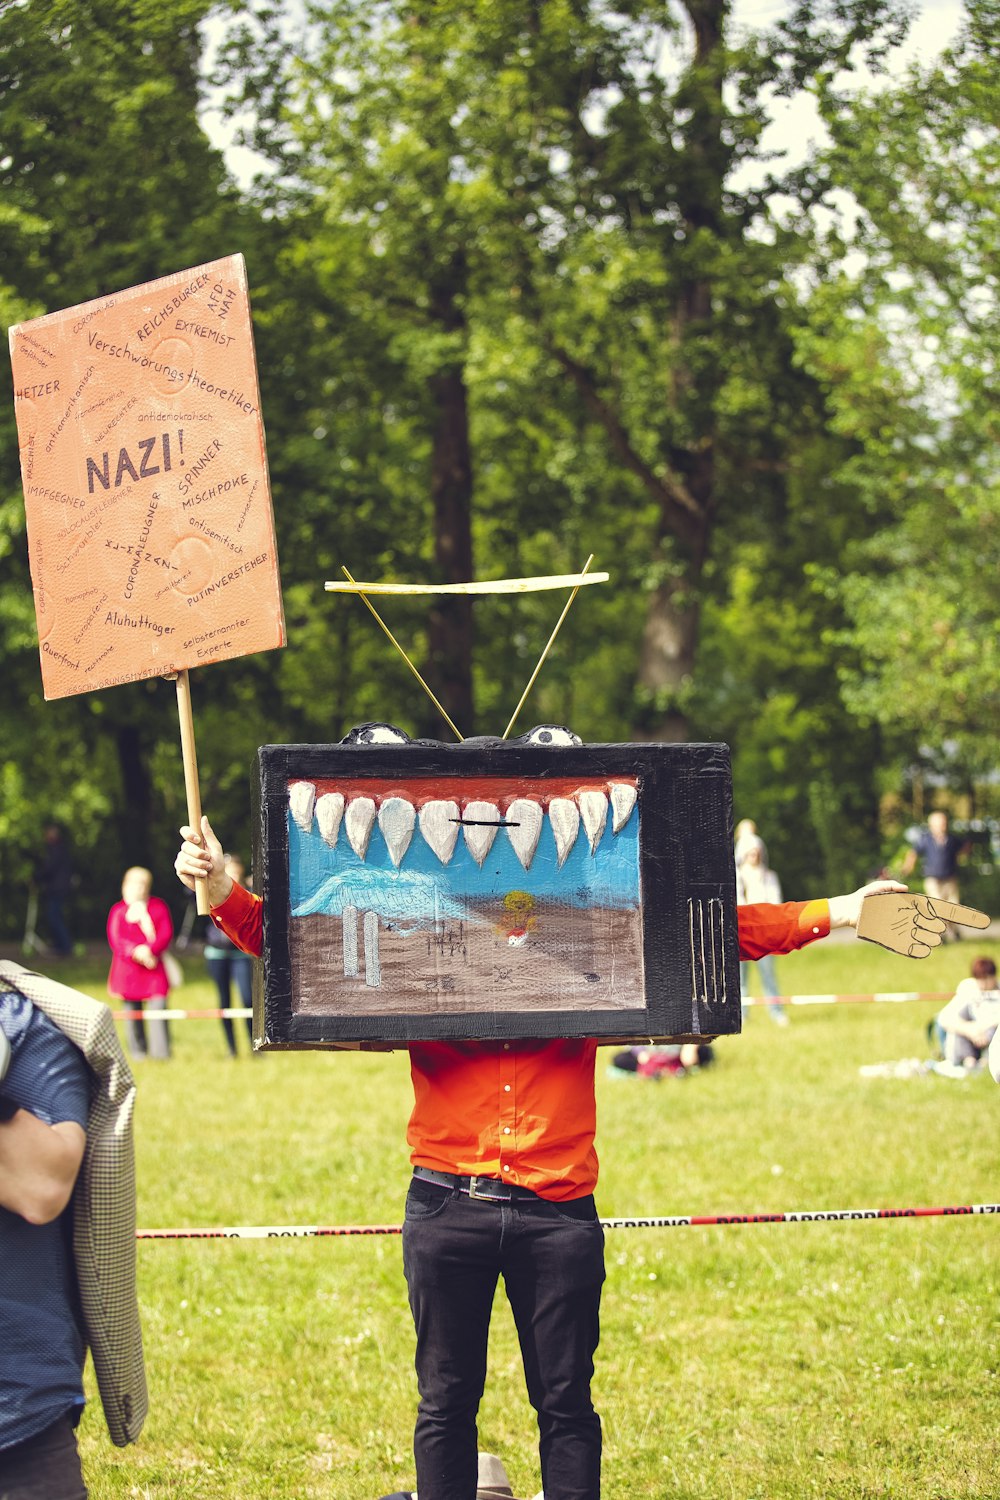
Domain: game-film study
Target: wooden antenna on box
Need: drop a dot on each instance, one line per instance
(496, 586)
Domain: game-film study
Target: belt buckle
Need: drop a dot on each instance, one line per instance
(487, 1197)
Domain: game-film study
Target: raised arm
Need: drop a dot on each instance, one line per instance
(234, 910)
(163, 925)
(119, 941)
(201, 857)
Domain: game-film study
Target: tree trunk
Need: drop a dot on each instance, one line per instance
(136, 815)
(450, 619)
(670, 635)
(666, 661)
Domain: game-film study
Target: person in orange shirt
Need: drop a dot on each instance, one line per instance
(504, 1172)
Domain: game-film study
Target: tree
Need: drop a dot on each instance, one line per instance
(515, 302)
(535, 177)
(107, 180)
(922, 162)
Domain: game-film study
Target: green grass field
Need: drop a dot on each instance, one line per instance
(751, 1363)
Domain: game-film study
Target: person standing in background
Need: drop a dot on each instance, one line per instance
(227, 964)
(758, 885)
(54, 879)
(746, 834)
(940, 850)
(139, 931)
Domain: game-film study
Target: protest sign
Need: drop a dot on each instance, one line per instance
(150, 529)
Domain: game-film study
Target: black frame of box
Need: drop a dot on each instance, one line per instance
(688, 898)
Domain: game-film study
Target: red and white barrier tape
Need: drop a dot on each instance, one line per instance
(236, 1013)
(900, 997)
(666, 1221)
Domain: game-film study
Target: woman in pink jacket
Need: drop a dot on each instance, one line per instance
(139, 931)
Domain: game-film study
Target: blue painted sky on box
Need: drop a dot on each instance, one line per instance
(322, 879)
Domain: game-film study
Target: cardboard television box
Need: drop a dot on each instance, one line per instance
(494, 889)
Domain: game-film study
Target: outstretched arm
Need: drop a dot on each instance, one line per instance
(845, 911)
(765, 928)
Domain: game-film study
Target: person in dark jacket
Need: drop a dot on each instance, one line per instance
(54, 880)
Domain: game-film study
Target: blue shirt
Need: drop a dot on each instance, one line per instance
(42, 1347)
(940, 860)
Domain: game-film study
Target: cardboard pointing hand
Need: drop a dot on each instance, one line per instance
(912, 924)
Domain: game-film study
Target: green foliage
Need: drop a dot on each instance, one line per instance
(518, 196)
(802, 764)
(107, 180)
(510, 228)
(99, 136)
(920, 411)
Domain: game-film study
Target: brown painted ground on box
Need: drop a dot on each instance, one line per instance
(573, 959)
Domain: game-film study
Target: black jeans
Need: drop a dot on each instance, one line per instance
(551, 1257)
(59, 932)
(44, 1467)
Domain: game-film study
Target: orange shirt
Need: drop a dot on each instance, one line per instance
(241, 917)
(520, 1111)
(782, 928)
(525, 1111)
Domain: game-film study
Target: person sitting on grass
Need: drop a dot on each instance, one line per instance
(969, 1021)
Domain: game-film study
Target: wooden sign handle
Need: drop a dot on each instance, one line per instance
(190, 759)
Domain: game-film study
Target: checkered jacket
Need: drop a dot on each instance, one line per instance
(103, 1201)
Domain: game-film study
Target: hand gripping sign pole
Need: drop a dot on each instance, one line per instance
(192, 791)
(150, 530)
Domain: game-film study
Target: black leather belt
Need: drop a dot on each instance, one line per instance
(488, 1189)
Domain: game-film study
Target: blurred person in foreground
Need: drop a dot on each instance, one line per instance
(504, 1172)
(67, 1233)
